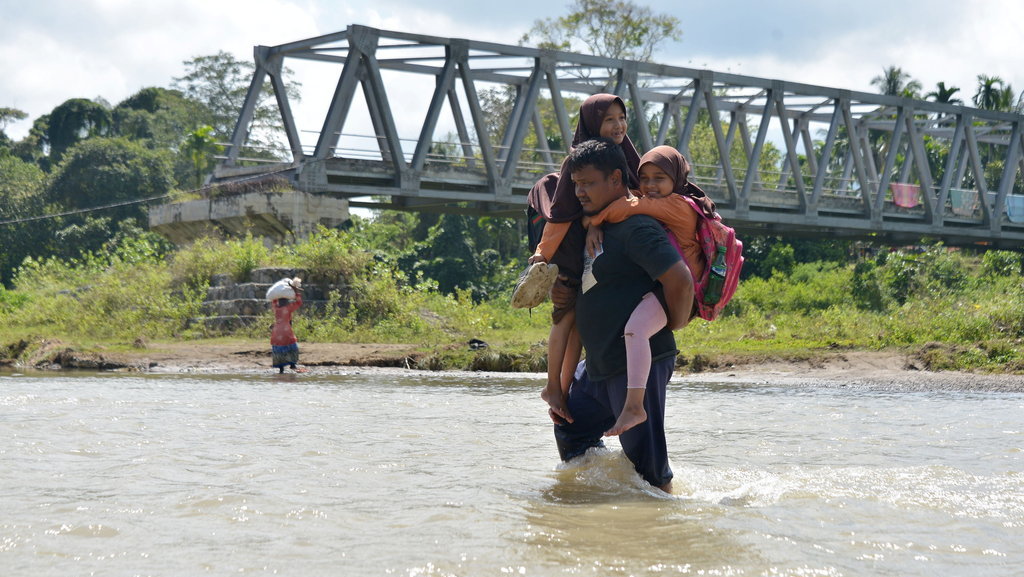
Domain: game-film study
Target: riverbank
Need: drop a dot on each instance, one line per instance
(847, 368)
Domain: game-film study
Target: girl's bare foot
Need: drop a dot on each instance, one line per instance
(628, 418)
(552, 395)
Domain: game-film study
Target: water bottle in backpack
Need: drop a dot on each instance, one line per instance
(716, 280)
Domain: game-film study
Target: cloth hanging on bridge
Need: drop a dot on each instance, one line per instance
(964, 202)
(905, 195)
(1015, 208)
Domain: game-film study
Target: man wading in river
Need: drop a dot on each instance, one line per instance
(636, 258)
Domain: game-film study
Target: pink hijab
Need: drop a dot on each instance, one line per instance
(677, 168)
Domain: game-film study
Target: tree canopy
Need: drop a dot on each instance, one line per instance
(76, 120)
(609, 28)
(104, 171)
(893, 81)
(220, 81)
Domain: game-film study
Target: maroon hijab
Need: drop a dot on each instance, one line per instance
(677, 168)
(564, 206)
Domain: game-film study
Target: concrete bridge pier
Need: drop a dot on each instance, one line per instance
(277, 217)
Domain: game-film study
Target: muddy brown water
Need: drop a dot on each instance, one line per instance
(415, 474)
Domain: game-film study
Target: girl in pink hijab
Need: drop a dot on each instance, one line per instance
(663, 176)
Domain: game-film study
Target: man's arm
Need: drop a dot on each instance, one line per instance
(678, 285)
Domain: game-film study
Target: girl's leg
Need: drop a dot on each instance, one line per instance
(647, 319)
(558, 347)
(573, 351)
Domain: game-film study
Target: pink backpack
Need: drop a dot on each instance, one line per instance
(712, 233)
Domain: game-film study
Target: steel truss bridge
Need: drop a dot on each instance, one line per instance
(786, 158)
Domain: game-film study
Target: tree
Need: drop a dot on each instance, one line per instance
(220, 82)
(7, 116)
(158, 117)
(944, 95)
(76, 120)
(993, 93)
(608, 28)
(200, 146)
(447, 256)
(104, 171)
(21, 188)
(895, 82)
(34, 147)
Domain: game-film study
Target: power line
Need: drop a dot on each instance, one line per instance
(82, 210)
(136, 201)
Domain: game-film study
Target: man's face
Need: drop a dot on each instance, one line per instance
(594, 190)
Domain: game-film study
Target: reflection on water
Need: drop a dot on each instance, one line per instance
(381, 473)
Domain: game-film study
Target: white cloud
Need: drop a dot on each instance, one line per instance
(53, 50)
(942, 41)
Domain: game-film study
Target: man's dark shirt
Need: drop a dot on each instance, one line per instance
(636, 252)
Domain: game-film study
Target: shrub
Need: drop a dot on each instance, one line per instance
(194, 265)
(246, 255)
(865, 288)
(1000, 263)
(326, 254)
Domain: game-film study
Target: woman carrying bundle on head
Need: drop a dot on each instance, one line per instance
(284, 346)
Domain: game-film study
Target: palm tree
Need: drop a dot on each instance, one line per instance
(892, 82)
(944, 95)
(200, 145)
(993, 93)
(895, 82)
(1006, 98)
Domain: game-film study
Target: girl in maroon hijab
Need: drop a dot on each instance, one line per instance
(563, 238)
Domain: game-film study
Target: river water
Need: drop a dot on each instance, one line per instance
(417, 474)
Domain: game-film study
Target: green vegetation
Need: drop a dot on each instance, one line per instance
(76, 264)
(954, 310)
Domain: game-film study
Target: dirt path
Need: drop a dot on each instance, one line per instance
(218, 357)
(837, 369)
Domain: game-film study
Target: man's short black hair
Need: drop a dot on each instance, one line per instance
(601, 153)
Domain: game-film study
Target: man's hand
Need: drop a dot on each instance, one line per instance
(595, 237)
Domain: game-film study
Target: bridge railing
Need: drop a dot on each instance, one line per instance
(455, 122)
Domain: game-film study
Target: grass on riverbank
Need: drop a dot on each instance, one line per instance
(952, 310)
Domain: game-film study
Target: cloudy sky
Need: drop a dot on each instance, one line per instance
(53, 50)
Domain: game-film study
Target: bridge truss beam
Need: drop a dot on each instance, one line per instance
(777, 156)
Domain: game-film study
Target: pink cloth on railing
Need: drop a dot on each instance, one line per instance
(905, 195)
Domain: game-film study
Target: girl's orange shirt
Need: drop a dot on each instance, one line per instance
(673, 211)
